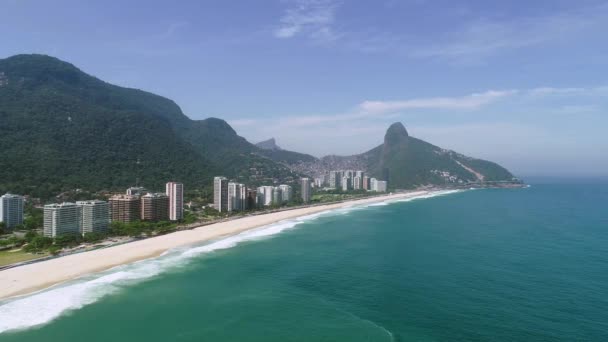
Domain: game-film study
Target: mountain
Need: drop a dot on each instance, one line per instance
(271, 150)
(269, 144)
(61, 128)
(407, 162)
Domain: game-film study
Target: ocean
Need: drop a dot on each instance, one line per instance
(480, 265)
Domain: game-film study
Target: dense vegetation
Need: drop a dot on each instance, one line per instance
(62, 129)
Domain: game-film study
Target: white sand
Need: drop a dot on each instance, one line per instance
(29, 278)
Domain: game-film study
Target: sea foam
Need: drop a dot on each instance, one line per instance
(47, 305)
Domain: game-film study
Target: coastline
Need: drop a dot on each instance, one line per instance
(34, 277)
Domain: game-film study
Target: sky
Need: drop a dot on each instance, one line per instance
(522, 82)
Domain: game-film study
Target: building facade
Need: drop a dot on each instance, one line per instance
(125, 208)
(11, 210)
(252, 199)
(286, 193)
(365, 185)
(265, 195)
(306, 190)
(95, 216)
(378, 185)
(357, 183)
(155, 207)
(220, 194)
(175, 192)
(243, 197)
(62, 219)
(381, 186)
(346, 183)
(234, 197)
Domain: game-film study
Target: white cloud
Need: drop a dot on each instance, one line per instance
(549, 91)
(487, 36)
(472, 101)
(313, 18)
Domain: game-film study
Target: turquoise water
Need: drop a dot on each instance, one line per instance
(483, 265)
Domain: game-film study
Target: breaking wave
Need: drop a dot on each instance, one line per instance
(44, 306)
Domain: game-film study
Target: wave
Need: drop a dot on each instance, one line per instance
(47, 305)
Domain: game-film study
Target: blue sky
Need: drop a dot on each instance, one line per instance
(523, 83)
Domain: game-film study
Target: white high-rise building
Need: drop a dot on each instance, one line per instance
(357, 183)
(265, 195)
(335, 179)
(243, 197)
(346, 183)
(377, 185)
(286, 193)
(60, 219)
(95, 216)
(234, 196)
(381, 186)
(237, 196)
(175, 192)
(11, 210)
(306, 189)
(220, 194)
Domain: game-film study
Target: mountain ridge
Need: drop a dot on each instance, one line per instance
(61, 128)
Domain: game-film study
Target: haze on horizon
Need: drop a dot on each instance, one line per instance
(522, 83)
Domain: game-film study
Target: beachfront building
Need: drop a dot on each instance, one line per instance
(155, 207)
(381, 186)
(346, 183)
(175, 192)
(11, 210)
(243, 197)
(335, 179)
(277, 197)
(357, 183)
(305, 190)
(252, 199)
(286, 193)
(365, 185)
(62, 219)
(125, 208)
(95, 216)
(237, 197)
(220, 194)
(377, 185)
(319, 182)
(265, 195)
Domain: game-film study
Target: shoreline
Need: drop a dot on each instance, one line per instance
(30, 278)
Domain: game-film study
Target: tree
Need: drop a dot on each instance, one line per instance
(38, 243)
(30, 235)
(92, 237)
(68, 240)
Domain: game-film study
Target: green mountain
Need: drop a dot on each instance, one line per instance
(62, 129)
(407, 162)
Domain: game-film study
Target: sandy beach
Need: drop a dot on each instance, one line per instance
(29, 278)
